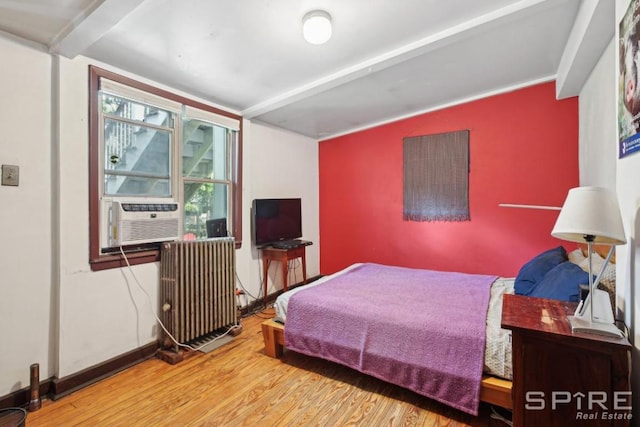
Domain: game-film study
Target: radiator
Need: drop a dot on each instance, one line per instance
(197, 288)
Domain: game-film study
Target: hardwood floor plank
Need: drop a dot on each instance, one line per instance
(238, 385)
(303, 405)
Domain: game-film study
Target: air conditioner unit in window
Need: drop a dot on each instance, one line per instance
(135, 223)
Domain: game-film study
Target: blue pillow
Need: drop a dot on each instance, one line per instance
(533, 271)
(562, 283)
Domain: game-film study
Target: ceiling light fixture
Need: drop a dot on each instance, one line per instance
(316, 27)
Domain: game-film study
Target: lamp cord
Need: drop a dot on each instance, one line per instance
(626, 328)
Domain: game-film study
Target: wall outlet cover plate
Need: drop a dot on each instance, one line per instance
(10, 175)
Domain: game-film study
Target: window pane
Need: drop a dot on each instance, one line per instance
(204, 150)
(203, 201)
(136, 186)
(137, 159)
(132, 110)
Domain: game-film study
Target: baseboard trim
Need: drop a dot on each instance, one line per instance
(56, 388)
(21, 398)
(67, 385)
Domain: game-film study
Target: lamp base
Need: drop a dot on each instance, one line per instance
(579, 324)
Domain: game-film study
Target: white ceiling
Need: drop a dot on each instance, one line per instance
(386, 59)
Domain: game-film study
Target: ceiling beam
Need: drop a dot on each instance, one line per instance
(388, 59)
(592, 31)
(87, 28)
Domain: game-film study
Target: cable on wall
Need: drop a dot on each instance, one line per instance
(179, 344)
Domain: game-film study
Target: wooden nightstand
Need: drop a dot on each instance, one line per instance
(561, 378)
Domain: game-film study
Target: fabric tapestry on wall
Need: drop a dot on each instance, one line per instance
(436, 177)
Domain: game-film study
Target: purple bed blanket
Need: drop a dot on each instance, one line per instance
(420, 329)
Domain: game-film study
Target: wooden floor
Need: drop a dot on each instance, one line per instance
(237, 385)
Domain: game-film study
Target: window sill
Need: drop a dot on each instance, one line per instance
(106, 262)
(109, 261)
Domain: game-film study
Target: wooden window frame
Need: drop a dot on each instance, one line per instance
(148, 253)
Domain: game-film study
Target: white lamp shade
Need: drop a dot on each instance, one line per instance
(316, 27)
(590, 211)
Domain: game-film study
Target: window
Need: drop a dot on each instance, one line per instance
(206, 177)
(149, 144)
(137, 144)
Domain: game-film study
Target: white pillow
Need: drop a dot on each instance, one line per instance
(596, 265)
(576, 256)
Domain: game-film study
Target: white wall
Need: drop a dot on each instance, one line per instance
(280, 164)
(101, 314)
(54, 310)
(628, 256)
(26, 291)
(597, 112)
(598, 142)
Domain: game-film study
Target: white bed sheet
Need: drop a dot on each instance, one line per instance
(497, 354)
(497, 358)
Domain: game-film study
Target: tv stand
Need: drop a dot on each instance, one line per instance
(270, 253)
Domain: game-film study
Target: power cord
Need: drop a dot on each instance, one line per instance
(244, 290)
(179, 344)
(626, 328)
(293, 269)
(497, 416)
(257, 310)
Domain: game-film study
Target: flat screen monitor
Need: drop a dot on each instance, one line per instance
(216, 227)
(275, 220)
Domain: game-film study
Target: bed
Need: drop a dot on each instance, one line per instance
(324, 332)
(391, 299)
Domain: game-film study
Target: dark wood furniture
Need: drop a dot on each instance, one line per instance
(561, 378)
(270, 253)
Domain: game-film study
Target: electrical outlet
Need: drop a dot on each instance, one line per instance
(10, 175)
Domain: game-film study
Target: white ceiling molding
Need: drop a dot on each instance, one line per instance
(450, 104)
(26, 42)
(91, 25)
(591, 33)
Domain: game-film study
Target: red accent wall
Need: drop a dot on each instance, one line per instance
(524, 150)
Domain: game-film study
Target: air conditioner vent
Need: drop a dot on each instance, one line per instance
(149, 207)
(136, 223)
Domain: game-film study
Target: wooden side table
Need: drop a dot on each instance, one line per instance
(284, 256)
(561, 378)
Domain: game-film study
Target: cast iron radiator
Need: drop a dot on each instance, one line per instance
(197, 288)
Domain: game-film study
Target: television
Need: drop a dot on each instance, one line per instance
(275, 220)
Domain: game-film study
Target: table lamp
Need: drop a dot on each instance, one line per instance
(591, 215)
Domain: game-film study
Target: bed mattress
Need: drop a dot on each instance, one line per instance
(497, 358)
